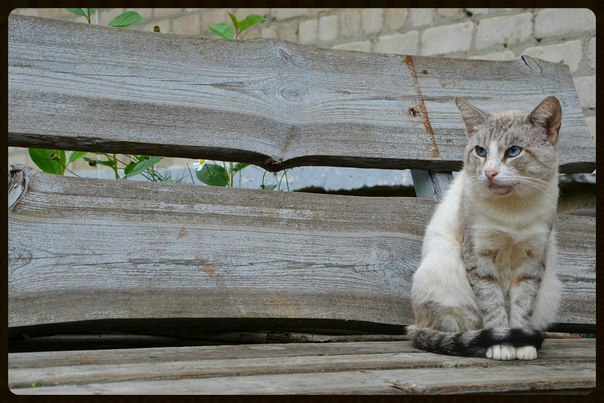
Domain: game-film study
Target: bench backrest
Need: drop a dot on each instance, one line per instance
(86, 250)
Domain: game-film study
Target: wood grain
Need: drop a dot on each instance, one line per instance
(553, 349)
(271, 103)
(363, 367)
(90, 249)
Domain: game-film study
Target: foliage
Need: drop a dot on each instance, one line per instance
(229, 32)
(50, 161)
(136, 164)
(213, 175)
(85, 12)
(216, 175)
(125, 19)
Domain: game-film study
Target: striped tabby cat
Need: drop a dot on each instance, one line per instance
(486, 284)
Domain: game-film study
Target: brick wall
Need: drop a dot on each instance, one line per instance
(557, 35)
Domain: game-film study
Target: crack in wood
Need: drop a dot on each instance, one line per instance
(292, 137)
(421, 105)
(532, 64)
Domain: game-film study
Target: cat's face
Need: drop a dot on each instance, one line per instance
(511, 152)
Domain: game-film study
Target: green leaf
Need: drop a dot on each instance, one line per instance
(223, 30)
(240, 166)
(47, 160)
(106, 163)
(84, 12)
(78, 11)
(234, 19)
(126, 19)
(76, 155)
(249, 21)
(138, 167)
(213, 175)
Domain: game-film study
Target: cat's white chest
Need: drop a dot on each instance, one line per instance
(510, 245)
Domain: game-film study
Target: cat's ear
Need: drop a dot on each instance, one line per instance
(548, 115)
(472, 116)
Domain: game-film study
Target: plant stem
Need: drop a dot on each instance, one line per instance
(117, 175)
(284, 175)
(231, 174)
(67, 169)
(263, 176)
(190, 173)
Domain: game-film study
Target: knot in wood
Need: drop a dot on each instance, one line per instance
(18, 181)
(293, 92)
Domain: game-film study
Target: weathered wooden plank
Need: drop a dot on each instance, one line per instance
(152, 251)
(577, 267)
(407, 381)
(198, 365)
(552, 349)
(193, 252)
(321, 368)
(275, 104)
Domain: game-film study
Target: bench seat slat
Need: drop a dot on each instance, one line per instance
(90, 249)
(354, 367)
(285, 105)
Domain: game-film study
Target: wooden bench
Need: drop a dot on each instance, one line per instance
(139, 287)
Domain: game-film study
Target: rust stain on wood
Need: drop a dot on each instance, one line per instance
(207, 267)
(183, 231)
(421, 105)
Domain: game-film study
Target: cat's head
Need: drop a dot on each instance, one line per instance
(511, 152)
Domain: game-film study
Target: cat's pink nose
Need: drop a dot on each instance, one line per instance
(491, 173)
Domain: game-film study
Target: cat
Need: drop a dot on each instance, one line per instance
(487, 284)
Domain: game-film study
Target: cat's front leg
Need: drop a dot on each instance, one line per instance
(486, 284)
(523, 291)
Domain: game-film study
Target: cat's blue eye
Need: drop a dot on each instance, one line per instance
(513, 151)
(481, 152)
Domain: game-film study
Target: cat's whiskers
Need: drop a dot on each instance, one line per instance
(535, 183)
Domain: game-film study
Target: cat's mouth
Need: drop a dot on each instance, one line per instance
(500, 190)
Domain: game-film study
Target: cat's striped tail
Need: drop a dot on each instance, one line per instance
(473, 342)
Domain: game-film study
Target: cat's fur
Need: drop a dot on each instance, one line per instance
(487, 284)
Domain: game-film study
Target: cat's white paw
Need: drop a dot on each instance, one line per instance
(502, 352)
(526, 353)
